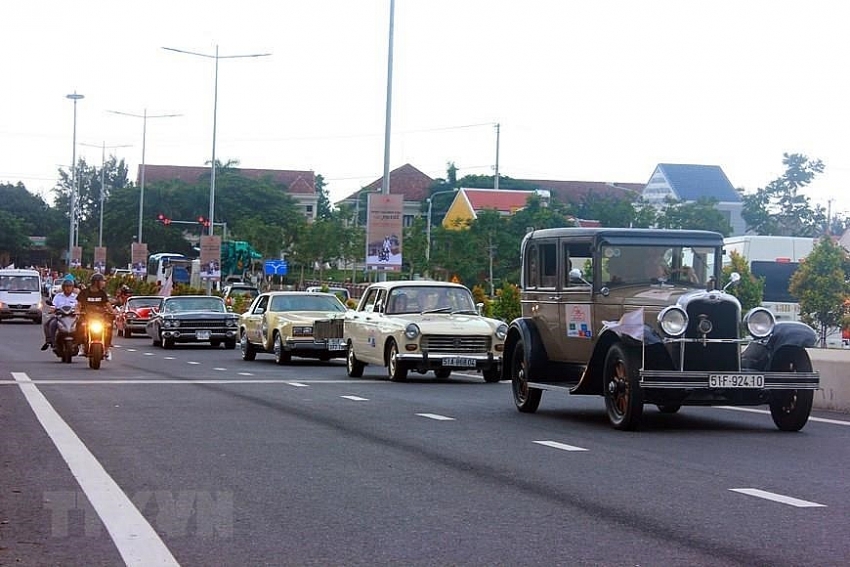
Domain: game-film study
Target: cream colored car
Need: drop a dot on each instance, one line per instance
(422, 326)
(293, 323)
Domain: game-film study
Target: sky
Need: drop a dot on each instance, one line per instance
(593, 90)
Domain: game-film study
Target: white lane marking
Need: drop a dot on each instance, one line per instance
(136, 381)
(219, 368)
(148, 354)
(778, 498)
(436, 416)
(250, 374)
(168, 357)
(137, 542)
(561, 446)
(298, 384)
(129, 349)
(192, 362)
(355, 398)
(767, 412)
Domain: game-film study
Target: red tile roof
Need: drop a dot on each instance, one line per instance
(503, 200)
(405, 180)
(302, 182)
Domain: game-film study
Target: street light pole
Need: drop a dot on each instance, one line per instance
(102, 183)
(75, 97)
(215, 114)
(144, 116)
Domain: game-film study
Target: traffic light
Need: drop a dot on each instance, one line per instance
(203, 221)
(163, 219)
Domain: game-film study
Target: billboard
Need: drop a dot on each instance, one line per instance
(76, 256)
(139, 259)
(211, 258)
(100, 259)
(384, 232)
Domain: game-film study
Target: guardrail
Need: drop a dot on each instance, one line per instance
(834, 392)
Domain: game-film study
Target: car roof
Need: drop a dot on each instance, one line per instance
(416, 283)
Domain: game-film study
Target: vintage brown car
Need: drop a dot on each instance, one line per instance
(637, 316)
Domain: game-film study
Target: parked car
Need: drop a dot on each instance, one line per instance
(236, 290)
(422, 326)
(135, 314)
(293, 323)
(342, 293)
(193, 319)
(637, 316)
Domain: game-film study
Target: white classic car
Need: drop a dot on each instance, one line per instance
(293, 323)
(421, 326)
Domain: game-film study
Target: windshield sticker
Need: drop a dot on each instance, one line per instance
(578, 321)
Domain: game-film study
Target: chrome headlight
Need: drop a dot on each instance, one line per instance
(501, 332)
(411, 331)
(759, 322)
(673, 320)
(231, 322)
(302, 331)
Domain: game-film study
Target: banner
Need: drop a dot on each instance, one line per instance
(76, 256)
(384, 232)
(100, 259)
(139, 258)
(211, 258)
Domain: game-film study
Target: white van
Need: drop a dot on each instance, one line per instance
(20, 295)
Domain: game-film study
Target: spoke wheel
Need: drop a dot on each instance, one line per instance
(353, 366)
(281, 355)
(526, 399)
(623, 396)
(249, 352)
(395, 368)
(790, 409)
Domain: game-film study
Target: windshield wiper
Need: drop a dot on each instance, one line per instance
(437, 310)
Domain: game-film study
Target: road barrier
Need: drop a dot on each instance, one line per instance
(833, 365)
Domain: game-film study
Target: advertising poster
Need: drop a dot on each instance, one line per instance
(384, 232)
(578, 321)
(211, 258)
(76, 256)
(100, 259)
(139, 259)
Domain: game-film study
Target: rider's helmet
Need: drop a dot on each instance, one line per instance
(125, 289)
(68, 282)
(96, 278)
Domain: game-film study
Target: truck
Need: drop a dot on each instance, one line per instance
(775, 259)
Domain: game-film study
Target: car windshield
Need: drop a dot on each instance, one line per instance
(181, 304)
(418, 299)
(248, 291)
(19, 283)
(136, 303)
(306, 303)
(662, 264)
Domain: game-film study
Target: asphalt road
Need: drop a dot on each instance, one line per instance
(192, 456)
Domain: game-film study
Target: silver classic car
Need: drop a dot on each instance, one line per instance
(421, 326)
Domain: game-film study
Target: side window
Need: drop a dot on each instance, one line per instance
(532, 275)
(548, 264)
(262, 304)
(381, 300)
(368, 303)
(577, 256)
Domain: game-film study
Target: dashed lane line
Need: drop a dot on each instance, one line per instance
(781, 498)
(355, 398)
(135, 539)
(561, 446)
(436, 416)
(298, 384)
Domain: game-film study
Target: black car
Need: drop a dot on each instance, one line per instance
(193, 319)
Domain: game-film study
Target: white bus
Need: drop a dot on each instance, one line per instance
(180, 268)
(774, 258)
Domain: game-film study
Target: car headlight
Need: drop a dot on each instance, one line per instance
(231, 322)
(412, 331)
(673, 320)
(759, 322)
(302, 331)
(501, 332)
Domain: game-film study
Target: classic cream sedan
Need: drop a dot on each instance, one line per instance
(421, 326)
(293, 323)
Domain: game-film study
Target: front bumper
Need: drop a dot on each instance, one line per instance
(9, 311)
(199, 335)
(434, 361)
(334, 347)
(674, 379)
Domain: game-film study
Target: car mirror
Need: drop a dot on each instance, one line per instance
(480, 308)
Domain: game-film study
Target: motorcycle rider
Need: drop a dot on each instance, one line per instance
(94, 300)
(67, 297)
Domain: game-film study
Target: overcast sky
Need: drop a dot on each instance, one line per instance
(583, 90)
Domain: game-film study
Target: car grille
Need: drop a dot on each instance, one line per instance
(327, 329)
(202, 323)
(455, 344)
(724, 317)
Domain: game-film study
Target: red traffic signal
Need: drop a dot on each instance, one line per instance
(203, 221)
(163, 219)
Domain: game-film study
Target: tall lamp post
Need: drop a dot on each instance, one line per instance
(428, 227)
(215, 114)
(144, 116)
(75, 97)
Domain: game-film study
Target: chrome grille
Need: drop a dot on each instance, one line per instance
(327, 329)
(202, 324)
(455, 344)
(724, 317)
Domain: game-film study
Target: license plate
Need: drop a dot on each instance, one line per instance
(736, 381)
(202, 335)
(336, 344)
(459, 362)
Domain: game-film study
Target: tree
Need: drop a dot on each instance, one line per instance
(780, 209)
(750, 290)
(698, 215)
(820, 285)
(323, 206)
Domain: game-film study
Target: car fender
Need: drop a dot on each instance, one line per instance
(787, 336)
(536, 357)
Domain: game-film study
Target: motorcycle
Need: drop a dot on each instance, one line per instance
(64, 344)
(95, 340)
